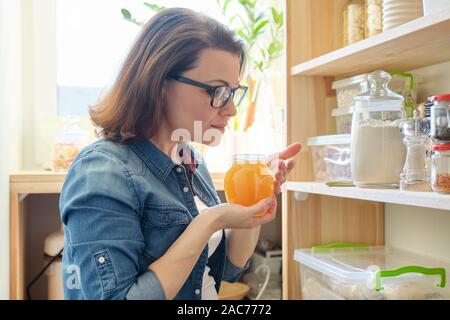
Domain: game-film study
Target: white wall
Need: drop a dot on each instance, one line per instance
(10, 120)
(419, 230)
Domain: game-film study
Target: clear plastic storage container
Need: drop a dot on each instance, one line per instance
(343, 118)
(344, 271)
(331, 158)
(347, 89)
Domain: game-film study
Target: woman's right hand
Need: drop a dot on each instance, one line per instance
(234, 216)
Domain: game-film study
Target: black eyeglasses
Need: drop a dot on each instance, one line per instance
(220, 95)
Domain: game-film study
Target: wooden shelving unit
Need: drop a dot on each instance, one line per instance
(314, 58)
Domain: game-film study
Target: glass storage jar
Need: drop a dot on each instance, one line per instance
(249, 180)
(417, 169)
(68, 143)
(440, 118)
(440, 168)
(373, 17)
(378, 151)
(353, 21)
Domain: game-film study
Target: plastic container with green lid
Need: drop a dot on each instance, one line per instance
(360, 272)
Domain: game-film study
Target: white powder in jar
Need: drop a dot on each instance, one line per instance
(378, 154)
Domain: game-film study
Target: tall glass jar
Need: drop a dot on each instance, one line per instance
(417, 169)
(353, 21)
(378, 151)
(373, 17)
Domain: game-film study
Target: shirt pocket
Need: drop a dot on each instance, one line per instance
(162, 226)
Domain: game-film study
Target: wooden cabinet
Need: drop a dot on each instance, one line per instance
(312, 213)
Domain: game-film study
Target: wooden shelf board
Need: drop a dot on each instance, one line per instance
(418, 43)
(419, 199)
(51, 182)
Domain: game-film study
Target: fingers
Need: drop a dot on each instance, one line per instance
(269, 216)
(290, 151)
(277, 166)
(290, 164)
(277, 187)
(260, 207)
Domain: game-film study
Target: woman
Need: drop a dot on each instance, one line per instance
(140, 220)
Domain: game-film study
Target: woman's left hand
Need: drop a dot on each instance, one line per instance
(282, 163)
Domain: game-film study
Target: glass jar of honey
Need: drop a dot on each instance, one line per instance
(249, 180)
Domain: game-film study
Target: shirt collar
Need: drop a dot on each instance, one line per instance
(160, 163)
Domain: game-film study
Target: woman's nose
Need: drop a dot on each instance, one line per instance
(229, 109)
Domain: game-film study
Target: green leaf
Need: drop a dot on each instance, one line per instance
(259, 27)
(154, 7)
(126, 14)
(271, 50)
(277, 17)
(281, 19)
(225, 5)
(240, 33)
(260, 65)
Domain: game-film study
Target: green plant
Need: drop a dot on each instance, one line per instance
(262, 31)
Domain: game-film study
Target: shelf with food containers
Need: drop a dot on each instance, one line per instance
(355, 271)
(385, 140)
(362, 19)
(405, 47)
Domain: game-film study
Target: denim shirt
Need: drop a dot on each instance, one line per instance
(122, 207)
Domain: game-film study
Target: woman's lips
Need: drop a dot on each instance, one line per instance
(221, 128)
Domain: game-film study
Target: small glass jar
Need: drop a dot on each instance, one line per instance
(440, 118)
(373, 17)
(440, 168)
(353, 21)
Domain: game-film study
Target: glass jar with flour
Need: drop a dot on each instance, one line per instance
(378, 151)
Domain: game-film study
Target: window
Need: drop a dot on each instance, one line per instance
(92, 41)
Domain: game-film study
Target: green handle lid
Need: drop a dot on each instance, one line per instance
(409, 269)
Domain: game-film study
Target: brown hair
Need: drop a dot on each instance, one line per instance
(170, 42)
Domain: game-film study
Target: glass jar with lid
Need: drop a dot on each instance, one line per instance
(440, 118)
(417, 169)
(440, 168)
(68, 143)
(373, 17)
(353, 22)
(378, 151)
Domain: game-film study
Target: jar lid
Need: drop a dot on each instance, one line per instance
(441, 147)
(441, 97)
